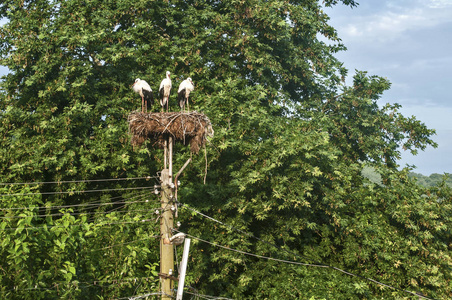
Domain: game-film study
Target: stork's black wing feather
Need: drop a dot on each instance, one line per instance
(149, 97)
(181, 98)
(161, 91)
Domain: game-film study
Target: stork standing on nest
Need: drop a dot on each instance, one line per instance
(164, 91)
(183, 92)
(142, 87)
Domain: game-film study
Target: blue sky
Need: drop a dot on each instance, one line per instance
(409, 42)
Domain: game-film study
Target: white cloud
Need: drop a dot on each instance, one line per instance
(440, 3)
(431, 63)
(394, 20)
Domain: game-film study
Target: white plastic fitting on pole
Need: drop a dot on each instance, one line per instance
(183, 268)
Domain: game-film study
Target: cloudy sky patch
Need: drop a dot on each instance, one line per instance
(408, 42)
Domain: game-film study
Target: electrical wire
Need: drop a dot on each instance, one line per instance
(84, 205)
(255, 255)
(78, 181)
(304, 257)
(141, 296)
(73, 192)
(95, 283)
(77, 225)
(127, 243)
(121, 205)
(71, 214)
(207, 296)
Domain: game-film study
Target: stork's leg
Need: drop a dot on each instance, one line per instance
(142, 104)
(188, 106)
(146, 106)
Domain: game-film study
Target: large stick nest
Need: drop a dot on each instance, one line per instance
(186, 127)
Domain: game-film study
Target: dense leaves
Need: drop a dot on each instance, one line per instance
(50, 252)
(285, 168)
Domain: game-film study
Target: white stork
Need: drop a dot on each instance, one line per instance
(142, 87)
(164, 91)
(183, 92)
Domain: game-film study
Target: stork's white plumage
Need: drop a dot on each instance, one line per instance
(144, 90)
(183, 92)
(164, 90)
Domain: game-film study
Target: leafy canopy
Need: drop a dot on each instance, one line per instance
(285, 165)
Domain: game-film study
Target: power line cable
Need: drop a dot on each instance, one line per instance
(101, 203)
(95, 283)
(305, 257)
(78, 181)
(140, 196)
(87, 205)
(255, 255)
(74, 192)
(76, 225)
(141, 296)
(121, 205)
(71, 214)
(207, 296)
(83, 205)
(126, 243)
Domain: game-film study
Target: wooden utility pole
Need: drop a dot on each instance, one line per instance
(171, 127)
(166, 225)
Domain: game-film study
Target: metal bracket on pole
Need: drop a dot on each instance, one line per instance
(166, 276)
(177, 176)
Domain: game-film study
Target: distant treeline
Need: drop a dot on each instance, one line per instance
(427, 181)
(433, 179)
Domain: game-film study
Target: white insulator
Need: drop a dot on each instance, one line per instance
(177, 239)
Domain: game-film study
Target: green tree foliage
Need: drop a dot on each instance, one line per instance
(55, 252)
(285, 165)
